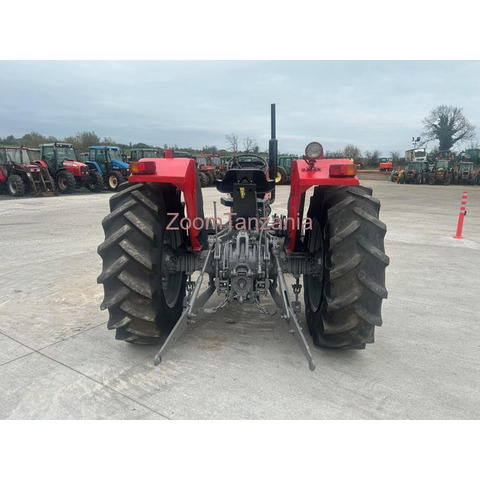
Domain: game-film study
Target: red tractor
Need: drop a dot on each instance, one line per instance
(61, 161)
(220, 167)
(465, 172)
(334, 239)
(208, 170)
(20, 173)
(443, 169)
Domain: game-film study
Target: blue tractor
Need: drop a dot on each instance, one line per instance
(109, 163)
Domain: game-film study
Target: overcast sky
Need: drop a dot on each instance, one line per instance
(371, 104)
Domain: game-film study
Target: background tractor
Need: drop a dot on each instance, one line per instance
(465, 173)
(415, 172)
(443, 169)
(19, 172)
(470, 155)
(221, 166)
(61, 161)
(107, 161)
(331, 242)
(284, 169)
(207, 170)
(137, 153)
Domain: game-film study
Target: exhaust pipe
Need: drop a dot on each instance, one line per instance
(272, 151)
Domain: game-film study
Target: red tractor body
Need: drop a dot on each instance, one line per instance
(155, 242)
(21, 171)
(180, 172)
(465, 172)
(67, 172)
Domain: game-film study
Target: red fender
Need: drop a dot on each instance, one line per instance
(42, 163)
(182, 173)
(3, 178)
(302, 179)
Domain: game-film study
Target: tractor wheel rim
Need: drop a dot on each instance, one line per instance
(62, 183)
(113, 181)
(278, 177)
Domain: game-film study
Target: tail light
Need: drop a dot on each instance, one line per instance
(142, 168)
(347, 170)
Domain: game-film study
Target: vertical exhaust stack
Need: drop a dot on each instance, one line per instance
(272, 151)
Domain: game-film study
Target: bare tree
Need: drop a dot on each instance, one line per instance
(210, 149)
(249, 145)
(351, 151)
(395, 155)
(373, 158)
(448, 125)
(334, 154)
(232, 141)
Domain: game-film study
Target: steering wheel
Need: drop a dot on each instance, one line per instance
(258, 162)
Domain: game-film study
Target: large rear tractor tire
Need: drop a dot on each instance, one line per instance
(343, 304)
(15, 186)
(96, 183)
(114, 180)
(65, 182)
(144, 303)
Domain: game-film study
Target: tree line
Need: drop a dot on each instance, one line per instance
(445, 124)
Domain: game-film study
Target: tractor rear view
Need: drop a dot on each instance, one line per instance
(331, 242)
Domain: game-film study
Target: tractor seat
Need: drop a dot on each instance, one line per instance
(242, 175)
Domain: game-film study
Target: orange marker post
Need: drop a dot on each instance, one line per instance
(461, 216)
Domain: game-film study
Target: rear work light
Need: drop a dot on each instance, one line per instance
(347, 170)
(142, 168)
(313, 151)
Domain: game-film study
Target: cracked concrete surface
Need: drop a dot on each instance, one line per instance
(59, 361)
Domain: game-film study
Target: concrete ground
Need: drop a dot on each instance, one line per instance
(59, 361)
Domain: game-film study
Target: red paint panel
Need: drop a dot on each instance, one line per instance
(180, 172)
(303, 178)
